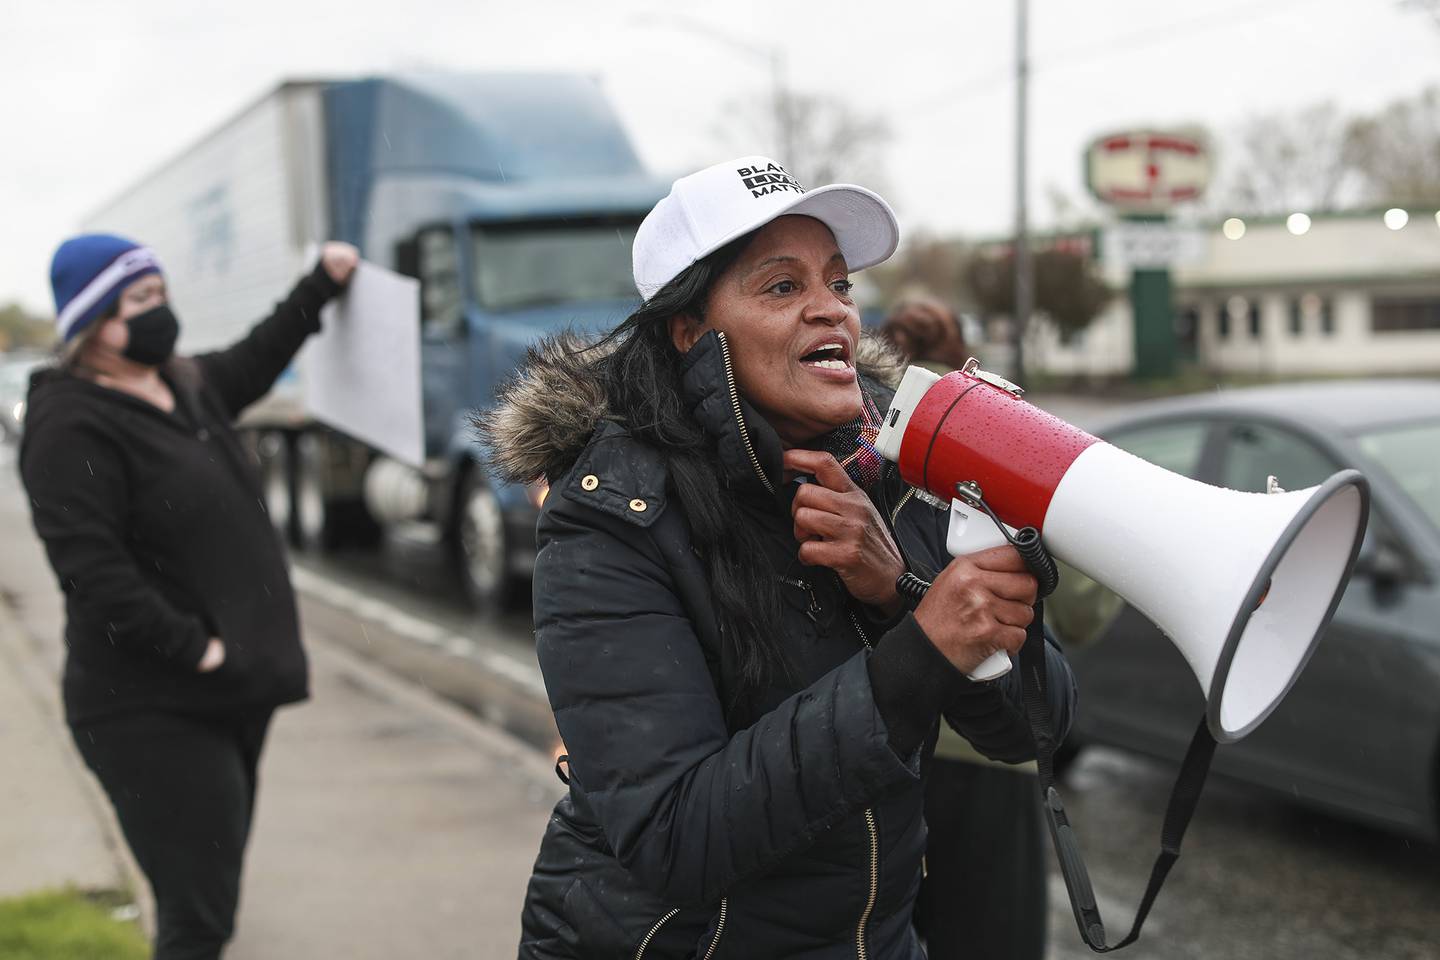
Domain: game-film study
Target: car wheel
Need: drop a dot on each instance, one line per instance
(482, 552)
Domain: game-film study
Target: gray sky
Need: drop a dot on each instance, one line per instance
(97, 94)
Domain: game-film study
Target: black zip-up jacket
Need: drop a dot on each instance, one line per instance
(155, 525)
(704, 820)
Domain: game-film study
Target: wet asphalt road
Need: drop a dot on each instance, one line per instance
(1259, 878)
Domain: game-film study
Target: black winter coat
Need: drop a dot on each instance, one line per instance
(155, 525)
(701, 820)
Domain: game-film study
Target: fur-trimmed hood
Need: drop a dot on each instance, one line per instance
(547, 412)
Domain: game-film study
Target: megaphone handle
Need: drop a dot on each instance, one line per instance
(970, 532)
(992, 667)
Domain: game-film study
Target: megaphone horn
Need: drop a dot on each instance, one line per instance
(1242, 583)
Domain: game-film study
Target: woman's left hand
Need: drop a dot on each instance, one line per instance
(838, 527)
(339, 260)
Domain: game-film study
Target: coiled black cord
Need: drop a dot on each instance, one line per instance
(911, 586)
(1026, 542)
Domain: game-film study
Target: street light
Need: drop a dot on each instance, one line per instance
(1233, 228)
(1298, 224)
(1396, 218)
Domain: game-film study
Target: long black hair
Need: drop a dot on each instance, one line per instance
(642, 378)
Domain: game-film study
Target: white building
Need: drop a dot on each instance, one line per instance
(1337, 293)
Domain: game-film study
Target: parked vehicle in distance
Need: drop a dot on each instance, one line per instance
(15, 370)
(1359, 734)
(511, 197)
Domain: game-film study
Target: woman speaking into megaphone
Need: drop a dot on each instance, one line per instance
(747, 702)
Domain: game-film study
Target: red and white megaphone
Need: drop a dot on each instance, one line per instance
(1242, 583)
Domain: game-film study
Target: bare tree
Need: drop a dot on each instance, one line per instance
(1317, 159)
(1286, 161)
(832, 141)
(1396, 152)
(21, 328)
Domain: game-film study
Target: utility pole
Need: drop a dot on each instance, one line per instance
(1024, 268)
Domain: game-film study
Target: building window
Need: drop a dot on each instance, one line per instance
(1312, 306)
(1234, 311)
(1187, 321)
(1402, 314)
(1255, 319)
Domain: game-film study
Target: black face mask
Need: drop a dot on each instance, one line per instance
(152, 336)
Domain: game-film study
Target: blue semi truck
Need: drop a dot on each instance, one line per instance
(512, 198)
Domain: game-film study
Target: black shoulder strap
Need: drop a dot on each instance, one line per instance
(1183, 799)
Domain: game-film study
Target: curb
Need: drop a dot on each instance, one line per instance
(479, 678)
(37, 677)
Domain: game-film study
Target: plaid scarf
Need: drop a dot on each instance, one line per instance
(853, 445)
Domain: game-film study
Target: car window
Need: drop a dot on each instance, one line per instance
(1174, 446)
(1255, 451)
(1411, 455)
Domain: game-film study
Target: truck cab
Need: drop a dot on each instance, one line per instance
(514, 201)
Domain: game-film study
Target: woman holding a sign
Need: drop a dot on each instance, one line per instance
(181, 630)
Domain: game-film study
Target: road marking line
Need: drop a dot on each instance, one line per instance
(416, 628)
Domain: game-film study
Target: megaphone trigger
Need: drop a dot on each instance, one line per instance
(972, 530)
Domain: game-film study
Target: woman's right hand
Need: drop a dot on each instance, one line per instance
(978, 605)
(214, 656)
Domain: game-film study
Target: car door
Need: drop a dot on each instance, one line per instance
(1336, 738)
(1136, 690)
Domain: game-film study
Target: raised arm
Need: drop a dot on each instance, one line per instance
(246, 370)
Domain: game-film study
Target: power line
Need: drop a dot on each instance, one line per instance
(1135, 40)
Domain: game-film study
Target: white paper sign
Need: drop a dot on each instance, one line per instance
(1147, 246)
(362, 372)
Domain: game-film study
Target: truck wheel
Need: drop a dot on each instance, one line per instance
(483, 555)
(277, 477)
(315, 524)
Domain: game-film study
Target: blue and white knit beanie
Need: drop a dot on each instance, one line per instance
(88, 274)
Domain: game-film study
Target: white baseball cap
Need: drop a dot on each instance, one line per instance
(707, 210)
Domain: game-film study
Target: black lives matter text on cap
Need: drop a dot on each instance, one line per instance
(771, 178)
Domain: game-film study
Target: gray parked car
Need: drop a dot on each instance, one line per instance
(15, 369)
(1359, 734)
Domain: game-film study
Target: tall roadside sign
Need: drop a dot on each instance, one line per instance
(1143, 175)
